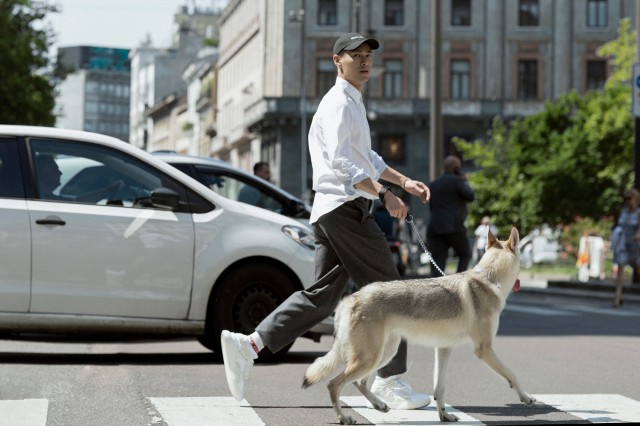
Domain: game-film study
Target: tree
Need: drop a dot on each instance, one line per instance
(573, 159)
(26, 88)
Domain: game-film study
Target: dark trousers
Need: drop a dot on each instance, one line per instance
(349, 244)
(439, 246)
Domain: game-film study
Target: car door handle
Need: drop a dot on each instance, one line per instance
(51, 220)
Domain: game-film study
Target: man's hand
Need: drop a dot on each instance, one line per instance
(395, 206)
(418, 188)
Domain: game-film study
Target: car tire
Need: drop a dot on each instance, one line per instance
(244, 297)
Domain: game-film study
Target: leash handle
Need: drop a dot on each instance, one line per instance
(409, 219)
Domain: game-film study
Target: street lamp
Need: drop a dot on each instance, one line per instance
(299, 16)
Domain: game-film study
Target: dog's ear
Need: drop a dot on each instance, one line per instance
(491, 239)
(514, 239)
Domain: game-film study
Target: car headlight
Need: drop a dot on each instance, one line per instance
(300, 236)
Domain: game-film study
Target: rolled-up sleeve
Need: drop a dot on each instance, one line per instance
(339, 135)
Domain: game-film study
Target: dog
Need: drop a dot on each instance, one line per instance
(442, 312)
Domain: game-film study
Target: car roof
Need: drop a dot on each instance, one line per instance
(174, 158)
(84, 136)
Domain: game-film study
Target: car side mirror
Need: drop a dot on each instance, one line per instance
(165, 198)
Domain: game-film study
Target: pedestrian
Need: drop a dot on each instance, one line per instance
(49, 174)
(252, 195)
(625, 240)
(481, 236)
(450, 194)
(349, 243)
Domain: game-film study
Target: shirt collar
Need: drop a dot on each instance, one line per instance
(348, 87)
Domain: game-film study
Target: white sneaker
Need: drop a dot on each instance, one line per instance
(398, 394)
(238, 356)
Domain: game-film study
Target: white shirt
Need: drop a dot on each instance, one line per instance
(482, 235)
(340, 149)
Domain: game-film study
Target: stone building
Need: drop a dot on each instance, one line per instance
(498, 57)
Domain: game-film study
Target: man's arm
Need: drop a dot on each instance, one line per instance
(394, 205)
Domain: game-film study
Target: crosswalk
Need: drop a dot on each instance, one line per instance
(226, 411)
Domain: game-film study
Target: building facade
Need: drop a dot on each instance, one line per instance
(498, 58)
(95, 95)
(157, 74)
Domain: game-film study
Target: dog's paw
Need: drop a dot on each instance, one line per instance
(346, 420)
(527, 399)
(382, 407)
(447, 417)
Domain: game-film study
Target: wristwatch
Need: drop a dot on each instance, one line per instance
(381, 193)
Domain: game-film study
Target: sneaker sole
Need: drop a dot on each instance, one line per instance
(404, 406)
(225, 338)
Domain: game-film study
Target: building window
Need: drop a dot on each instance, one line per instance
(392, 78)
(460, 79)
(596, 74)
(327, 12)
(529, 13)
(460, 12)
(394, 12)
(597, 13)
(528, 79)
(326, 76)
(392, 148)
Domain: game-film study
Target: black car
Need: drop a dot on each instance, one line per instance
(231, 182)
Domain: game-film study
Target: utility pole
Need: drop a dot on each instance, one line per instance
(636, 119)
(435, 83)
(299, 17)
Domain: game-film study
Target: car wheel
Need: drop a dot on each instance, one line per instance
(244, 297)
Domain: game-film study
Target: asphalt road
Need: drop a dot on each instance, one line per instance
(562, 349)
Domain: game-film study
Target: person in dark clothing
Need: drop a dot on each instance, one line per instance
(450, 194)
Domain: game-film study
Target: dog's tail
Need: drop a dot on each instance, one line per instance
(328, 365)
(323, 367)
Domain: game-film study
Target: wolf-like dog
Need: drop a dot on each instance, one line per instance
(442, 312)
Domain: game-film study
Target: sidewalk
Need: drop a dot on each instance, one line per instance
(564, 285)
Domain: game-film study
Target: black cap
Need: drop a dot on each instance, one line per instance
(350, 41)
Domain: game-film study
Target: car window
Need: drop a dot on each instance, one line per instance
(232, 187)
(11, 184)
(93, 174)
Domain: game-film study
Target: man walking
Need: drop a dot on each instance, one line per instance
(349, 243)
(450, 194)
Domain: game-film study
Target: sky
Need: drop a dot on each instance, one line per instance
(117, 23)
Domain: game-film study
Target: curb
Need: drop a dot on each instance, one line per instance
(600, 290)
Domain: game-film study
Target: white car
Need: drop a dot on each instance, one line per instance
(98, 237)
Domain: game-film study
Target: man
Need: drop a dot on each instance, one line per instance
(450, 194)
(252, 195)
(349, 244)
(49, 175)
(481, 236)
(262, 170)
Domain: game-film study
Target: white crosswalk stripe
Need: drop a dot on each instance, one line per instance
(199, 411)
(595, 408)
(423, 416)
(24, 412)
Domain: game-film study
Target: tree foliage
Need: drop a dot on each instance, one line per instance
(26, 89)
(573, 159)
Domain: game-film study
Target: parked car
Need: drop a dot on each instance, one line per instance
(540, 246)
(99, 238)
(230, 181)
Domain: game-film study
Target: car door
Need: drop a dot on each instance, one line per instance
(15, 233)
(99, 246)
